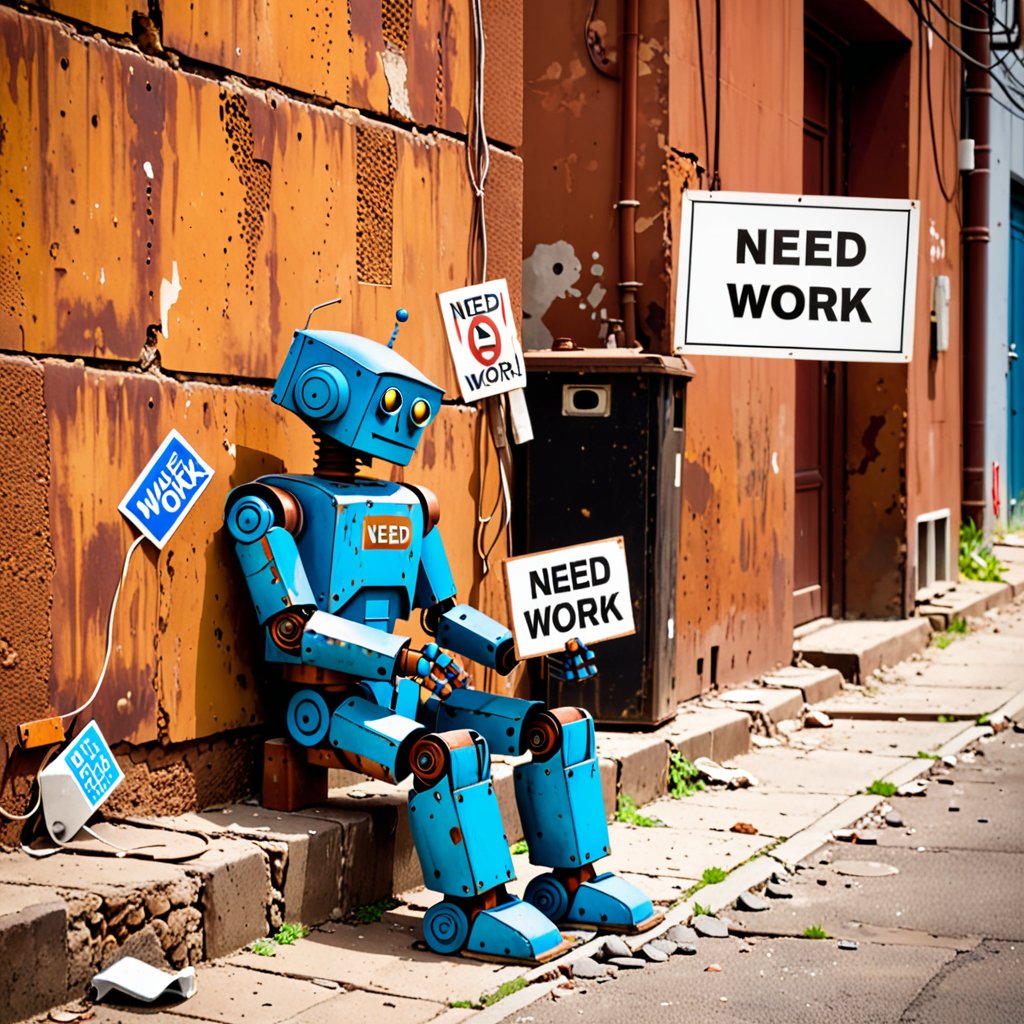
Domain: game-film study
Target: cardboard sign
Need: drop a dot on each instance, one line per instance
(797, 277)
(77, 782)
(580, 591)
(483, 339)
(165, 491)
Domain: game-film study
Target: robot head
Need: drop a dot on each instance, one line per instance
(361, 393)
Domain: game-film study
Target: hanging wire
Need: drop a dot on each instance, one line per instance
(716, 181)
(99, 682)
(703, 83)
(949, 197)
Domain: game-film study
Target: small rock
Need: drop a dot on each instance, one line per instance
(817, 720)
(712, 968)
(681, 933)
(751, 901)
(627, 962)
(710, 927)
(954, 808)
(916, 788)
(614, 946)
(944, 780)
(744, 949)
(588, 967)
(655, 955)
(822, 881)
(894, 820)
(665, 945)
(777, 892)
(780, 876)
(845, 835)
(867, 837)
(686, 949)
(983, 821)
(848, 944)
(744, 828)
(949, 761)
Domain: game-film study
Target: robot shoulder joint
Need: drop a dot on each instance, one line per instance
(252, 509)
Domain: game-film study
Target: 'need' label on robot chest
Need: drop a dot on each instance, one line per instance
(393, 532)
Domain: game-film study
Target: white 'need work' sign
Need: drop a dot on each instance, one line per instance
(579, 592)
(797, 277)
(483, 340)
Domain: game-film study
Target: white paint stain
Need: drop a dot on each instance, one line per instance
(549, 273)
(775, 463)
(103, 276)
(595, 255)
(937, 246)
(671, 627)
(597, 293)
(397, 74)
(148, 168)
(169, 292)
(597, 269)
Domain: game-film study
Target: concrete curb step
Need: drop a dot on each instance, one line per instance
(62, 921)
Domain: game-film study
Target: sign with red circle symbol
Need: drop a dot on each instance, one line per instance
(483, 340)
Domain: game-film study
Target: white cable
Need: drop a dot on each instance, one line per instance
(110, 630)
(99, 682)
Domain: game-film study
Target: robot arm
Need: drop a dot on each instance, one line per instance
(261, 519)
(459, 627)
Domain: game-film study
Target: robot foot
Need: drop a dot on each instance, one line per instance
(510, 932)
(584, 899)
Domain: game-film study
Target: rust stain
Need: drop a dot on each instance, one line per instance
(869, 441)
(697, 487)
(456, 836)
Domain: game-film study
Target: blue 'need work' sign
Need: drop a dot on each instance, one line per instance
(92, 765)
(166, 489)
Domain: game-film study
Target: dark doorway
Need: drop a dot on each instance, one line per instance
(820, 386)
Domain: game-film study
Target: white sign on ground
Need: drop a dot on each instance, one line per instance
(483, 339)
(797, 277)
(577, 592)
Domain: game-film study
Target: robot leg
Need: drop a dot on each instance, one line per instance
(562, 808)
(463, 851)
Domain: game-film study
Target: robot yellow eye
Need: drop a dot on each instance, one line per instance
(420, 412)
(391, 401)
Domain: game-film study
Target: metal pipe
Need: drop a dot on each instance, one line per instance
(627, 204)
(975, 236)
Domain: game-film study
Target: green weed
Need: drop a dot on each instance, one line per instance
(712, 876)
(977, 561)
(941, 640)
(881, 788)
(504, 990)
(627, 813)
(926, 756)
(699, 910)
(263, 947)
(683, 777)
(958, 625)
(984, 718)
(520, 847)
(369, 913)
(946, 718)
(288, 933)
(815, 931)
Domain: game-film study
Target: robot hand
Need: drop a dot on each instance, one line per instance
(573, 665)
(435, 671)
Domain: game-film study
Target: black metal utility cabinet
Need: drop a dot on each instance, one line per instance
(607, 459)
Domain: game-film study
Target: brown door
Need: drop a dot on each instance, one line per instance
(817, 555)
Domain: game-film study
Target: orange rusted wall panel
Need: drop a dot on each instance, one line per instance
(220, 215)
(112, 15)
(188, 654)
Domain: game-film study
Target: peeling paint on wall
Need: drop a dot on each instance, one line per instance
(549, 273)
(397, 73)
(169, 292)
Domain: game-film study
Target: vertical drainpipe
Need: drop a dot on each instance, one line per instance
(627, 204)
(975, 235)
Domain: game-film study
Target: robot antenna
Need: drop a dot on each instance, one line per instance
(321, 306)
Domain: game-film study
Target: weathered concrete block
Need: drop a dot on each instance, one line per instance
(859, 647)
(235, 895)
(816, 684)
(642, 761)
(720, 734)
(33, 951)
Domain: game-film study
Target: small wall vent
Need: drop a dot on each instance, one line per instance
(932, 556)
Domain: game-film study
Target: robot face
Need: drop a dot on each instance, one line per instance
(364, 395)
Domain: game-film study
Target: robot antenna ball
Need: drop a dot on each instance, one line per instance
(401, 316)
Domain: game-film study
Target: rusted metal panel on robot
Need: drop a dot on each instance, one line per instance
(398, 59)
(249, 216)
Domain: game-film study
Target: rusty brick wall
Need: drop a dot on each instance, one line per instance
(177, 187)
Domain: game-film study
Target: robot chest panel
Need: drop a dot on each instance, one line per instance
(376, 546)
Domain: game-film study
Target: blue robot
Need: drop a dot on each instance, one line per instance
(332, 560)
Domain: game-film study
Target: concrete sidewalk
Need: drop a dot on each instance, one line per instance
(62, 919)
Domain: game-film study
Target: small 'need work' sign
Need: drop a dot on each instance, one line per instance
(797, 277)
(576, 592)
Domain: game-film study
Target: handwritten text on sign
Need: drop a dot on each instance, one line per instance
(166, 489)
(576, 592)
